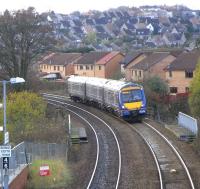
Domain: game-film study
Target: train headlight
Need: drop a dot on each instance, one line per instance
(142, 111)
(123, 107)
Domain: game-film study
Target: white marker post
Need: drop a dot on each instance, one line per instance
(69, 119)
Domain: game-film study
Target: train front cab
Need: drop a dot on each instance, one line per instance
(132, 103)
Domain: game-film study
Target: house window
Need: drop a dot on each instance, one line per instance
(140, 73)
(173, 89)
(188, 74)
(187, 89)
(91, 67)
(44, 67)
(87, 67)
(135, 72)
(81, 67)
(99, 67)
(170, 73)
(54, 67)
(58, 68)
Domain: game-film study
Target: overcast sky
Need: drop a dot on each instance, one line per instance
(68, 6)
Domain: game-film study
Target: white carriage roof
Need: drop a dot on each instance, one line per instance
(115, 85)
(79, 79)
(107, 83)
(96, 81)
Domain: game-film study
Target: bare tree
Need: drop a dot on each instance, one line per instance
(24, 35)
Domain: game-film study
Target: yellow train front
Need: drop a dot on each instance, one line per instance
(127, 99)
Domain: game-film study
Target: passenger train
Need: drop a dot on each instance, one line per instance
(126, 99)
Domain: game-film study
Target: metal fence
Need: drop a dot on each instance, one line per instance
(36, 151)
(188, 122)
(26, 152)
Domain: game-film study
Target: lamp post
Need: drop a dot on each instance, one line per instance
(6, 136)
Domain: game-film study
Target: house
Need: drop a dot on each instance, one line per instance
(99, 64)
(130, 60)
(61, 63)
(151, 65)
(180, 72)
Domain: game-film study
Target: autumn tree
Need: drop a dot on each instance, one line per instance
(194, 100)
(24, 35)
(25, 111)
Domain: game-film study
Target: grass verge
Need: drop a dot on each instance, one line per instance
(59, 175)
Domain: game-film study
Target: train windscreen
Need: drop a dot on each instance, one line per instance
(131, 96)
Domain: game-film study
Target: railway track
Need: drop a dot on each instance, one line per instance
(172, 171)
(106, 172)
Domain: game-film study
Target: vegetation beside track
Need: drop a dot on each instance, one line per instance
(58, 178)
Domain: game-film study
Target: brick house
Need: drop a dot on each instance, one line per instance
(99, 64)
(61, 63)
(130, 60)
(151, 65)
(180, 72)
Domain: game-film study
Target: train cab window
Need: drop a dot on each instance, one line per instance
(131, 96)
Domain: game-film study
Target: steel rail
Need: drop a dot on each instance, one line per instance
(97, 140)
(118, 146)
(176, 152)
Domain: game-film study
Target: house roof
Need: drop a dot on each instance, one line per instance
(91, 57)
(150, 60)
(60, 58)
(100, 29)
(130, 57)
(185, 61)
(107, 58)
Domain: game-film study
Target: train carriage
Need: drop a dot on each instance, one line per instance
(94, 89)
(127, 99)
(76, 87)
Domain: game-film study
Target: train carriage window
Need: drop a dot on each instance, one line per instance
(131, 96)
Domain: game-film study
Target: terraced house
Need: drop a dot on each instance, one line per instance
(148, 65)
(180, 72)
(59, 63)
(99, 64)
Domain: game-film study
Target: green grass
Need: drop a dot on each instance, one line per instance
(59, 175)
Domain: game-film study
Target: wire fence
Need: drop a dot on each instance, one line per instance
(26, 152)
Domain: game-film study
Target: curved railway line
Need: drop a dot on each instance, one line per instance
(172, 171)
(106, 172)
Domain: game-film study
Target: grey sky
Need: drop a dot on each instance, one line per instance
(67, 6)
